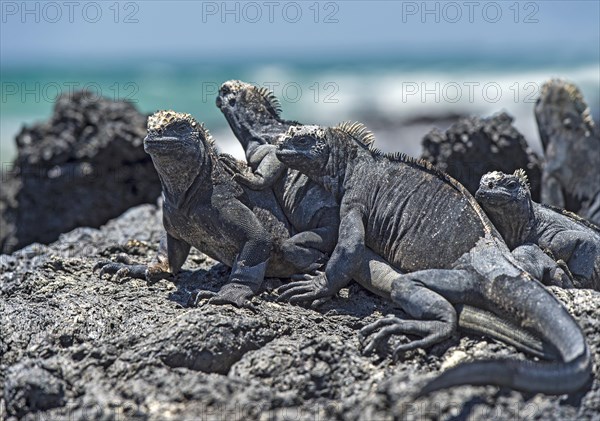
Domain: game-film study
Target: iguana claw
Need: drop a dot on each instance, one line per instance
(198, 296)
(307, 290)
(235, 294)
(431, 331)
(123, 267)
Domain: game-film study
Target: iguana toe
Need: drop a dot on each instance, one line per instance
(236, 294)
(305, 291)
(121, 270)
(432, 332)
(198, 296)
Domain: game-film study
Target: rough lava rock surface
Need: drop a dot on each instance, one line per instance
(82, 167)
(76, 347)
(474, 146)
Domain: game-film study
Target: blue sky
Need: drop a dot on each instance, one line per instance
(79, 32)
(168, 49)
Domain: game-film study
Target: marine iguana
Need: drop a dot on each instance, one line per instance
(205, 209)
(187, 162)
(571, 239)
(571, 142)
(423, 222)
(254, 115)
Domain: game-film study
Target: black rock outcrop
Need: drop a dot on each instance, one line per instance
(82, 167)
(474, 146)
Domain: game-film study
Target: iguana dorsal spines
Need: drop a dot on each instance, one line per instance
(270, 97)
(358, 132)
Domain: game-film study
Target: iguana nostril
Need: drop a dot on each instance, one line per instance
(491, 185)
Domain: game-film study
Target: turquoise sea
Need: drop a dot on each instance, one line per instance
(388, 93)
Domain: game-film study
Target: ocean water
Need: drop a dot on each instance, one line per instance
(399, 100)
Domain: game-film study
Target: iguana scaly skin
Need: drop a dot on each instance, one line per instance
(254, 116)
(569, 238)
(205, 209)
(423, 222)
(571, 141)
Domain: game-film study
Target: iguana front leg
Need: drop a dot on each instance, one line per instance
(268, 172)
(580, 252)
(250, 264)
(171, 255)
(344, 262)
(541, 266)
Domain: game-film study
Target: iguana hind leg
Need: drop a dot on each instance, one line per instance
(436, 317)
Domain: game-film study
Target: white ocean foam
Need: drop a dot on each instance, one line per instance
(330, 95)
(400, 95)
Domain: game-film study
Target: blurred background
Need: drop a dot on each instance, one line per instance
(400, 67)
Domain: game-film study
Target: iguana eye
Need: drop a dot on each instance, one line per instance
(512, 185)
(302, 141)
(180, 129)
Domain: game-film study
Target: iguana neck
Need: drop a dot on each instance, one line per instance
(180, 183)
(517, 221)
(338, 170)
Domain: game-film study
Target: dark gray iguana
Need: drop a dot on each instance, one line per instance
(205, 209)
(254, 116)
(521, 222)
(425, 223)
(571, 141)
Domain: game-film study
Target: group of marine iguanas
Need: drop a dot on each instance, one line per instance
(322, 206)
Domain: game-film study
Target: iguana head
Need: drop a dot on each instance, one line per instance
(324, 154)
(305, 148)
(561, 106)
(499, 189)
(252, 112)
(180, 147)
(170, 132)
(507, 201)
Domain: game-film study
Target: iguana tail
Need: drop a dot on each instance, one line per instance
(535, 309)
(481, 322)
(526, 376)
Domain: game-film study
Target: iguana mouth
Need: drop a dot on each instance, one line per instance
(152, 143)
(285, 153)
(288, 157)
(494, 197)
